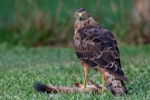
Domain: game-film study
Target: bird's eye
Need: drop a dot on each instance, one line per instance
(75, 16)
(86, 15)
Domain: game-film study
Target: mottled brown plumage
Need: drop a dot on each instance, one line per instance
(97, 48)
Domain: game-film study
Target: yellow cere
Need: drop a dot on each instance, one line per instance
(80, 14)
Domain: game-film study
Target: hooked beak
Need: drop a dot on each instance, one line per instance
(80, 16)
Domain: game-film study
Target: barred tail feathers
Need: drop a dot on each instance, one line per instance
(116, 85)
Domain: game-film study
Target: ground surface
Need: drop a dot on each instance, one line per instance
(21, 67)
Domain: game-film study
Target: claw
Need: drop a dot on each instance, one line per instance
(102, 89)
(81, 86)
(84, 88)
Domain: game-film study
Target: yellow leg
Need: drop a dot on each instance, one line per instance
(102, 90)
(84, 82)
(86, 71)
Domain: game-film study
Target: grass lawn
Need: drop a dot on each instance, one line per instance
(20, 67)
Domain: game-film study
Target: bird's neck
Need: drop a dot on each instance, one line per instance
(88, 22)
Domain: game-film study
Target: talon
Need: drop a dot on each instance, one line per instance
(84, 88)
(102, 89)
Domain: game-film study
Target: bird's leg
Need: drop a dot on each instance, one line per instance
(86, 71)
(102, 90)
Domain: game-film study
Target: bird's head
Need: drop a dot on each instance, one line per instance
(81, 15)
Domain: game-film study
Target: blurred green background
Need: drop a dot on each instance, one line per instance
(50, 22)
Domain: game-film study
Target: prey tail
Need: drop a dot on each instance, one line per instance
(116, 85)
(40, 87)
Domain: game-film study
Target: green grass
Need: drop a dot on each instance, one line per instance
(20, 67)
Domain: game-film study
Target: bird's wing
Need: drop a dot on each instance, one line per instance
(98, 48)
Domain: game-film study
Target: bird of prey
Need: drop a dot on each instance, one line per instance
(97, 48)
